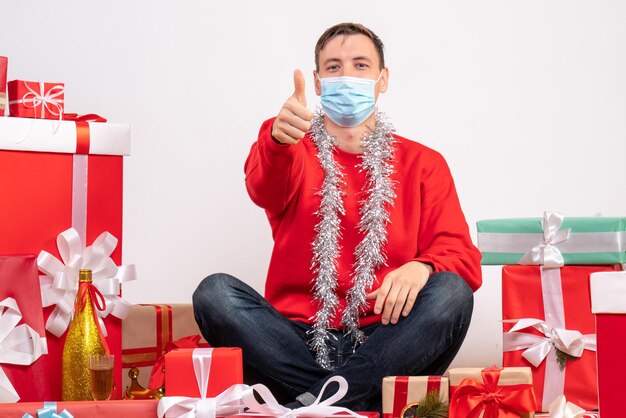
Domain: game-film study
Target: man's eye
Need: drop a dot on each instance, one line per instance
(361, 65)
(332, 67)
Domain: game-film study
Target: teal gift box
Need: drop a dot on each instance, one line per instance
(553, 241)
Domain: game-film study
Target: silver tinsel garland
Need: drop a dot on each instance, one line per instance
(376, 162)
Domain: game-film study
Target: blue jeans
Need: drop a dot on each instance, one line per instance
(275, 352)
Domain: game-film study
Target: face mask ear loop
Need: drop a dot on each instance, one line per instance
(379, 76)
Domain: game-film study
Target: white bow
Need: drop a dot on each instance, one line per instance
(546, 253)
(318, 408)
(537, 348)
(560, 408)
(19, 344)
(224, 404)
(60, 282)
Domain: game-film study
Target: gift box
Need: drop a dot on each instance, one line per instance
(56, 184)
(223, 366)
(608, 303)
(549, 327)
(19, 282)
(82, 409)
(149, 330)
(399, 392)
(4, 62)
(32, 99)
(553, 241)
(473, 390)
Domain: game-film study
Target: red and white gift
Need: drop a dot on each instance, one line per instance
(23, 372)
(608, 303)
(54, 178)
(34, 99)
(548, 326)
(402, 391)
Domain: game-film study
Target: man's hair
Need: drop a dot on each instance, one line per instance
(346, 29)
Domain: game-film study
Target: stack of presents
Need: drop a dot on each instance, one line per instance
(563, 297)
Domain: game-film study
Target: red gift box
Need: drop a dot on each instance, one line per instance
(31, 99)
(19, 280)
(368, 414)
(3, 84)
(45, 193)
(491, 392)
(559, 298)
(608, 303)
(226, 369)
(87, 409)
(401, 391)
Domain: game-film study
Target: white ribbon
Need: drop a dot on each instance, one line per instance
(48, 100)
(318, 408)
(224, 404)
(537, 348)
(560, 408)
(19, 344)
(60, 282)
(546, 253)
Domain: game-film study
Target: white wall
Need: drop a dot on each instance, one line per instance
(526, 99)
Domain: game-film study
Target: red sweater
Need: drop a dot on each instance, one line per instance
(427, 223)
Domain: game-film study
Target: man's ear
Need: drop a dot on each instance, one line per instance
(318, 84)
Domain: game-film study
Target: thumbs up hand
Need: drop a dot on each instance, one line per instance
(294, 119)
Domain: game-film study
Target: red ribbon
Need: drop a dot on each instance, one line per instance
(472, 397)
(90, 117)
(157, 377)
(82, 129)
(98, 303)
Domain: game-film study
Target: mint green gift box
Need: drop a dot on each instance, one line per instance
(589, 241)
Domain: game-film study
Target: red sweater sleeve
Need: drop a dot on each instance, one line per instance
(444, 241)
(273, 171)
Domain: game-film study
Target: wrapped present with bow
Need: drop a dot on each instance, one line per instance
(55, 181)
(23, 372)
(553, 241)
(608, 303)
(548, 326)
(405, 394)
(151, 330)
(491, 393)
(34, 99)
(202, 382)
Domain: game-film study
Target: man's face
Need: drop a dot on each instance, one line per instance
(354, 56)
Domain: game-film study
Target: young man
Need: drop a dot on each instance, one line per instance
(373, 268)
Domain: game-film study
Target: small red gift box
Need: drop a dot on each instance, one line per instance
(225, 369)
(473, 391)
(47, 188)
(550, 308)
(85, 409)
(401, 391)
(608, 302)
(31, 99)
(3, 84)
(19, 280)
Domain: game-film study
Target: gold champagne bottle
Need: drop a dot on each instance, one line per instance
(84, 339)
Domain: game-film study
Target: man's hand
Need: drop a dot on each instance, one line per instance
(399, 290)
(294, 119)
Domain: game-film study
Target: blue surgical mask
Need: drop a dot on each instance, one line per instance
(348, 101)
